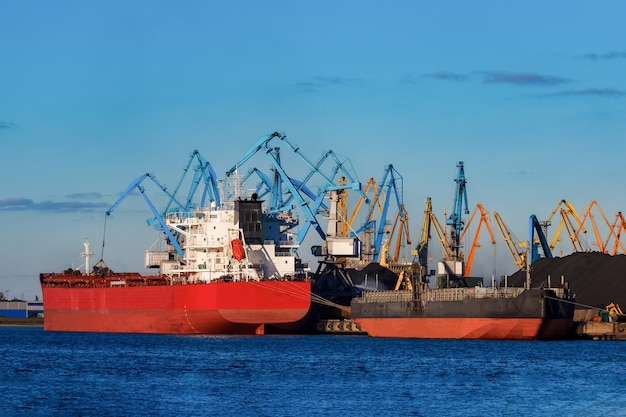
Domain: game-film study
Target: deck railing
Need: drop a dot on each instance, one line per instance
(440, 294)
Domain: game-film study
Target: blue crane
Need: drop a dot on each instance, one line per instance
(460, 200)
(204, 171)
(297, 194)
(393, 187)
(535, 226)
(159, 217)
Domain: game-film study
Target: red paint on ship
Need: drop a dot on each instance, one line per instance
(467, 328)
(88, 304)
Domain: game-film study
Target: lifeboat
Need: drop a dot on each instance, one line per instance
(238, 251)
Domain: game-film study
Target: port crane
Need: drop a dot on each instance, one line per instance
(373, 231)
(421, 250)
(486, 220)
(589, 215)
(455, 221)
(535, 227)
(513, 245)
(158, 217)
(294, 189)
(616, 229)
(429, 221)
(569, 220)
(203, 174)
(451, 266)
(401, 224)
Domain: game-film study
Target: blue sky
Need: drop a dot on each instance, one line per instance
(530, 95)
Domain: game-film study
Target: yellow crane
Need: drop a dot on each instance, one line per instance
(566, 210)
(421, 251)
(572, 232)
(441, 235)
(371, 185)
(402, 222)
(513, 245)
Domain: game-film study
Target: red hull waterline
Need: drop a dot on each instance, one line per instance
(467, 328)
(213, 308)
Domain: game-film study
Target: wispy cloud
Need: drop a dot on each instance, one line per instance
(25, 204)
(447, 76)
(606, 55)
(7, 125)
(590, 92)
(84, 196)
(521, 78)
(501, 77)
(319, 82)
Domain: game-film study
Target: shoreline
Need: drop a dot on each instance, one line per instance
(32, 321)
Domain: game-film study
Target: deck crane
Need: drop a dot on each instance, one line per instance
(486, 220)
(513, 245)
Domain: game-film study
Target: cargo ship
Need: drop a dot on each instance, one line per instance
(506, 313)
(221, 272)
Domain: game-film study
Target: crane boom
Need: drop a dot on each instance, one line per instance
(136, 184)
(568, 208)
(519, 257)
(460, 201)
(486, 220)
(421, 251)
(535, 226)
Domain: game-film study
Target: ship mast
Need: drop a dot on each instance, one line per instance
(86, 255)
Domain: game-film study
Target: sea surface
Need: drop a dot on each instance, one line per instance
(86, 374)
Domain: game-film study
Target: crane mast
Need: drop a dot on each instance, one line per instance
(450, 271)
(456, 218)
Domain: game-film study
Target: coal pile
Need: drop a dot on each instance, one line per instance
(373, 277)
(595, 278)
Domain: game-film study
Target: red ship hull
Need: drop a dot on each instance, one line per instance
(467, 328)
(213, 308)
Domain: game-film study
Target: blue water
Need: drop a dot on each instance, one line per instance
(76, 374)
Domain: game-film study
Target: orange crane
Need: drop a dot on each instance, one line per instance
(589, 215)
(519, 256)
(616, 229)
(486, 220)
